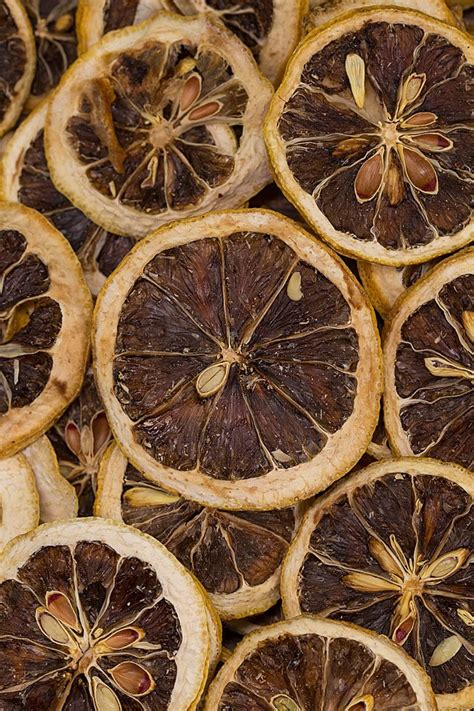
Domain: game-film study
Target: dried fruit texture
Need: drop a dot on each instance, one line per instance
(95, 616)
(26, 179)
(17, 64)
(235, 555)
(167, 124)
(80, 437)
(54, 27)
(269, 28)
(429, 360)
(19, 502)
(308, 663)
(45, 315)
(237, 327)
(369, 135)
(390, 550)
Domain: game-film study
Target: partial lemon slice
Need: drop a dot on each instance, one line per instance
(369, 135)
(236, 555)
(19, 501)
(45, 315)
(96, 615)
(237, 327)
(389, 549)
(58, 500)
(17, 48)
(309, 662)
(429, 365)
(158, 122)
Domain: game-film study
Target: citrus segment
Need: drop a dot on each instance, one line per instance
(19, 503)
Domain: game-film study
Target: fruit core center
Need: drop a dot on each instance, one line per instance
(389, 133)
(161, 134)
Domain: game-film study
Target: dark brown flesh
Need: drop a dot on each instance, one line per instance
(159, 131)
(291, 363)
(12, 58)
(99, 592)
(414, 520)
(225, 550)
(330, 141)
(30, 322)
(306, 672)
(438, 417)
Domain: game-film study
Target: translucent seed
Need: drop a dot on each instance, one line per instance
(52, 628)
(355, 70)
(140, 496)
(105, 698)
(446, 650)
(293, 288)
(211, 380)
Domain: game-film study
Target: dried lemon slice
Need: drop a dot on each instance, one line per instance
(19, 501)
(388, 548)
(270, 29)
(309, 663)
(58, 500)
(17, 48)
(236, 555)
(25, 178)
(158, 122)
(328, 10)
(45, 315)
(238, 328)
(429, 365)
(94, 614)
(369, 135)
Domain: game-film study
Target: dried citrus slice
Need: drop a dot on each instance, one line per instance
(96, 615)
(236, 555)
(270, 29)
(18, 60)
(429, 361)
(25, 178)
(388, 548)
(312, 663)
(158, 122)
(237, 327)
(19, 502)
(54, 27)
(45, 315)
(58, 500)
(369, 135)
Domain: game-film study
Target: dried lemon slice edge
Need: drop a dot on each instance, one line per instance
(19, 500)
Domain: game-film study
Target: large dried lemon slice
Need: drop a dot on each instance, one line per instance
(369, 135)
(238, 361)
(328, 10)
(235, 554)
(389, 549)
(270, 29)
(159, 121)
(311, 663)
(18, 60)
(25, 178)
(45, 314)
(19, 501)
(429, 365)
(94, 614)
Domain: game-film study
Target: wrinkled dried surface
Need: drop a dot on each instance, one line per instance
(80, 437)
(385, 152)
(71, 617)
(12, 59)
(225, 550)
(393, 556)
(437, 412)
(306, 672)
(290, 364)
(30, 322)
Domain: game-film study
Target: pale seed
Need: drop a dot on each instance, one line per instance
(64, 23)
(468, 323)
(466, 616)
(282, 702)
(144, 496)
(281, 456)
(105, 698)
(211, 380)
(394, 185)
(382, 555)
(293, 288)
(361, 703)
(185, 66)
(53, 629)
(412, 89)
(112, 188)
(442, 367)
(446, 565)
(365, 582)
(355, 70)
(349, 146)
(446, 650)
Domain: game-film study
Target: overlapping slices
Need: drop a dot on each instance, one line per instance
(269, 28)
(25, 178)
(308, 663)
(389, 549)
(237, 327)
(429, 359)
(370, 135)
(236, 555)
(17, 61)
(45, 316)
(19, 502)
(95, 615)
(158, 122)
